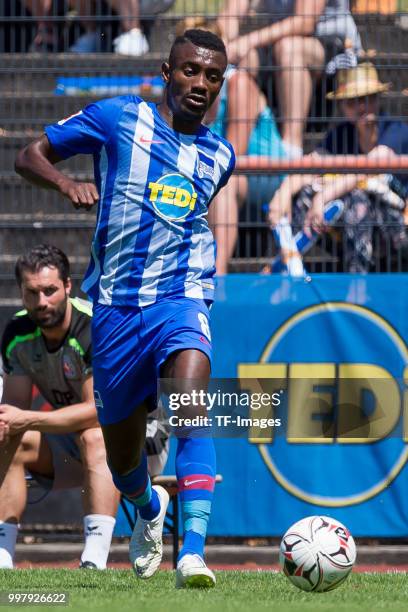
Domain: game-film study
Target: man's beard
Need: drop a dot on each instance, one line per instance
(53, 320)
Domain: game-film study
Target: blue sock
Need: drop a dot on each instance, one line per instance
(150, 510)
(137, 488)
(193, 544)
(195, 469)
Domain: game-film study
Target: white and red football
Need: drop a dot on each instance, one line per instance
(317, 553)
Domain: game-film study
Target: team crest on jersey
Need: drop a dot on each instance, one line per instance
(205, 165)
(69, 367)
(173, 196)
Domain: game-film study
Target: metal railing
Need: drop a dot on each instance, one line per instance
(44, 86)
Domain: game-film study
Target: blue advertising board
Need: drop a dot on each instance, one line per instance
(320, 337)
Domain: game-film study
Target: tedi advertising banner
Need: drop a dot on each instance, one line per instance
(335, 348)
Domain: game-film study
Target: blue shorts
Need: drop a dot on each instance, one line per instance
(129, 345)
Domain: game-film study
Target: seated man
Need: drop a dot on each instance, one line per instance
(368, 202)
(300, 38)
(48, 345)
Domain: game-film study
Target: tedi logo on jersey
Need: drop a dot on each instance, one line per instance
(172, 196)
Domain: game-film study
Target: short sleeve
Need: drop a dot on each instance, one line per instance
(87, 130)
(81, 338)
(87, 361)
(11, 363)
(225, 176)
(230, 169)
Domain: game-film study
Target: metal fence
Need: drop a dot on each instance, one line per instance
(43, 79)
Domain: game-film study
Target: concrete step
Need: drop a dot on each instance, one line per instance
(382, 32)
(15, 241)
(37, 220)
(21, 201)
(78, 265)
(12, 141)
(31, 109)
(33, 72)
(10, 290)
(18, 109)
(389, 72)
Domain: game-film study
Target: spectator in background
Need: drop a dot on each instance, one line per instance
(131, 40)
(302, 37)
(241, 115)
(131, 14)
(135, 16)
(46, 35)
(369, 202)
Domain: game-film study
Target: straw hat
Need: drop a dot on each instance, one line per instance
(362, 80)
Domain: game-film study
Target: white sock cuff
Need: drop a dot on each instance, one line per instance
(7, 544)
(11, 527)
(102, 518)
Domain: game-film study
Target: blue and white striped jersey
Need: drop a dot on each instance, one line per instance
(151, 237)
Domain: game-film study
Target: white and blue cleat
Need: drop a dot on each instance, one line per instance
(192, 572)
(146, 544)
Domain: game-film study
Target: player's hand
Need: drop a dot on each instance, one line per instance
(82, 195)
(277, 210)
(4, 433)
(314, 220)
(14, 420)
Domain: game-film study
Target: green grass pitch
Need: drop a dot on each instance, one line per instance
(119, 591)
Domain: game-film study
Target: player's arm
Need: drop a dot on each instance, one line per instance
(36, 164)
(17, 391)
(64, 420)
(71, 418)
(302, 23)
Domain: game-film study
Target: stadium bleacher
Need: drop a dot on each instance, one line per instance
(32, 96)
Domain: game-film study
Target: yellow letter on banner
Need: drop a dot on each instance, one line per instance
(310, 410)
(262, 378)
(354, 426)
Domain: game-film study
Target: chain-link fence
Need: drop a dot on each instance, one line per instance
(296, 87)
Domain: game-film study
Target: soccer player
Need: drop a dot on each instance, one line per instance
(157, 168)
(49, 344)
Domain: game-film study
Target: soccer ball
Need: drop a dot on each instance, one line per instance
(317, 553)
